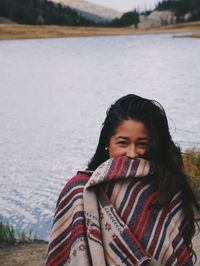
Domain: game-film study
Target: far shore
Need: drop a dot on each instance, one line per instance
(17, 31)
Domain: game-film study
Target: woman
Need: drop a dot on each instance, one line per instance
(133, 205)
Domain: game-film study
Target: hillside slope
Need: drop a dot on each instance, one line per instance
(90, 10)
(41, 12)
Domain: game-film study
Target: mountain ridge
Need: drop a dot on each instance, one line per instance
(91, 10)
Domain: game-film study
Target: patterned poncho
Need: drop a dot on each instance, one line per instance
(110, 217)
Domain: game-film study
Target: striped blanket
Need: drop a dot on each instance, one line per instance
(110, 217)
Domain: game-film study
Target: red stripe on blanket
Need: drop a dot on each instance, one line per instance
(182, 256)
(135, 167)
(94, 233)
(145, 225)
(137, 242)
(66, 201)
(123, 249)
(64, 252)
(79, 177)
(131, 201)
(160, 227)
(186, 259)
(117, 163)
(144, 211)
(122, 166)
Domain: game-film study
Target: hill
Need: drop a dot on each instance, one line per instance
(41, 12)
(91, 11)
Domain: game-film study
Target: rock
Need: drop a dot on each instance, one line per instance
(187, 16)
(156, 19)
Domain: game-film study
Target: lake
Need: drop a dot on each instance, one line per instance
(53, 97)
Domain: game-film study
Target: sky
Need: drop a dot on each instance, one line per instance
(127, 5)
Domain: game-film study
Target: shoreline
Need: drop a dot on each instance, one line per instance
(31, 254)
(21, 32)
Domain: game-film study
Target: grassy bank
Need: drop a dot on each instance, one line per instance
(8, 235)
(16, 31)
(20, 248)
(191, 160)
(7, 232)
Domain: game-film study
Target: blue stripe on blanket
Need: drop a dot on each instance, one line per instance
(166, 226)
(65, 210)
(119, 254)
(75, 182)
(66, 234)
(126, 195)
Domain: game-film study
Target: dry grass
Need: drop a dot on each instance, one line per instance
(16, 31)
(191, 160)
(23, 254)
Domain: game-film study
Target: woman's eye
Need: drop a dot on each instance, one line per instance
(143, 144)
(123, 143)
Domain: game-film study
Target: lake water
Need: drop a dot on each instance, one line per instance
(53, 97)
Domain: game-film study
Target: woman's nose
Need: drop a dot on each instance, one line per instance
(131, 152)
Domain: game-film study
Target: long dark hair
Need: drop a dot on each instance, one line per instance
(164, 155)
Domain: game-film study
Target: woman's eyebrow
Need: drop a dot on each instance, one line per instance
(145, 138)
(126, 138)
(121, 137)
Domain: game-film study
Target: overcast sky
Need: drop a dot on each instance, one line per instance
(127, 5)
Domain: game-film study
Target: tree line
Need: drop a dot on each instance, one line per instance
(44, 12)
(184, 10)
(36, 12)
(127, 19)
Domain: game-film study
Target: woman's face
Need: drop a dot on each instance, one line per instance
(131, 139)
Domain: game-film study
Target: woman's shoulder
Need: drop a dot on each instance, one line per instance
(76, 182)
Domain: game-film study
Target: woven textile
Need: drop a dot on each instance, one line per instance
(110, 218)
